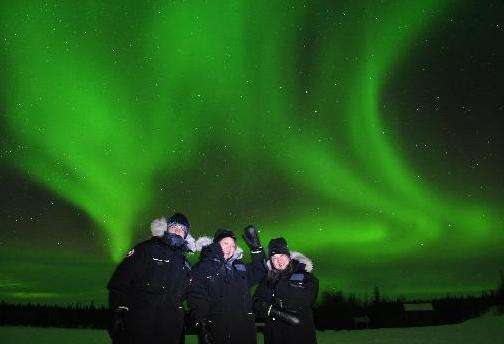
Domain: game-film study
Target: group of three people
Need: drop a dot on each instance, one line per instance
(150, 285)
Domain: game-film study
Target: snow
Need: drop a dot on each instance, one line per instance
(484, 330)
(488, 329)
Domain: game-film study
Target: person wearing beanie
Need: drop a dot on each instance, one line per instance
(285, 297)
(219, 297)
(148, 287)
(278, 246)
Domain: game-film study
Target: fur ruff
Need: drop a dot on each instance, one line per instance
(159, 227)
(202, 242)
(191, 243)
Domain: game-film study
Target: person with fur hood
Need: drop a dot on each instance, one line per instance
(219, 298)
(286, 296)
(148, 287)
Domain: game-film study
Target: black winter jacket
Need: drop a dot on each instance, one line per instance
(294, 292)
(220, 294)
(152, 282)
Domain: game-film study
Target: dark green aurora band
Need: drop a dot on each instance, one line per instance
(232, 112)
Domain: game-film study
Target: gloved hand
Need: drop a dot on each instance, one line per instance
(205, 333)
(285, 316)
(118, 321)
(251, 237)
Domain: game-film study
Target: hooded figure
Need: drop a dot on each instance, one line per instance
(284, 299)
(148, 287)
(219, 298)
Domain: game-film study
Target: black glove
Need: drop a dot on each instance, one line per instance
(205, 333)
(251, 237)
(118, 321)
(285, 316)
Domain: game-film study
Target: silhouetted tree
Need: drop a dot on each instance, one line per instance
(499, 294)
(334, 311)
(376, 295)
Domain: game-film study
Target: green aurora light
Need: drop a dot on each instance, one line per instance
(106, 99)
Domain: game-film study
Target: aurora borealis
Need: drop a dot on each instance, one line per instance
(339, 125)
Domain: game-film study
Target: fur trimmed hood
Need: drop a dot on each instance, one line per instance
(159, 227)
(205, 241)
(300, 258)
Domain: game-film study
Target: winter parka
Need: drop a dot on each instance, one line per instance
(294, 292)
(151, 282)
(220, 294)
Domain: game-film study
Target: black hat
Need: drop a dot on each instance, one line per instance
(223, 233)
(278, 246)
(179, 219)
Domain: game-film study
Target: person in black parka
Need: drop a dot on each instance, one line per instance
(286, 296)
(148, 287)
(219, 298)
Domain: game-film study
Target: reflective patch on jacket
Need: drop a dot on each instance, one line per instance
(297, 277)
(159, 260)
(240, 267)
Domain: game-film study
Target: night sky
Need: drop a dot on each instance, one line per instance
(369, 135)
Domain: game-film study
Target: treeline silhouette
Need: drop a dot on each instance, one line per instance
(334, 311)
(337, 311)
(73, 316)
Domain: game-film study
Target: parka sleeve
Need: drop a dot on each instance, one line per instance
(189, 279)
(262, 299)
(126, 272)
(198, 296)
(314, 289)
(256, 270)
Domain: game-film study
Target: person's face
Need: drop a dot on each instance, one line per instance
(280, 261)
(228, 246)
(177, 229)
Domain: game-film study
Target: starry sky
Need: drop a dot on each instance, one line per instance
(369, 135)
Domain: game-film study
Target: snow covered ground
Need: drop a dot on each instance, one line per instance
(483, 330)
(488, 329)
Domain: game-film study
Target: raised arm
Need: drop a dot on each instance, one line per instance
(257, 269)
